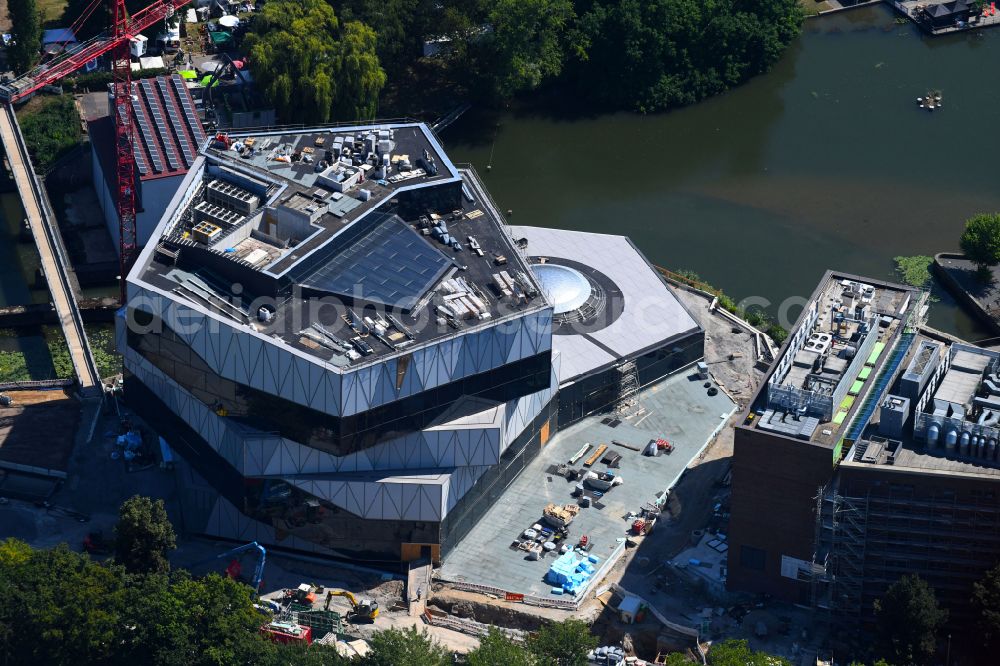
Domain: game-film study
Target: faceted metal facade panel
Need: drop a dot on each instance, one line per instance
(239, 354)
(444, 462)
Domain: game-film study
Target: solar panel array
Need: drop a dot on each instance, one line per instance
(169, 127)
(140, 159)
(161, 125)
(148, 138)
(392, 265)
(187, 106)
(173, 114)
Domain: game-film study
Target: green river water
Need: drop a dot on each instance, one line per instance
(825, 162)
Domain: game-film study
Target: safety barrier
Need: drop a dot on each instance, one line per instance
(40, 384)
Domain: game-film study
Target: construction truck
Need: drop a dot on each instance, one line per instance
(365, 610)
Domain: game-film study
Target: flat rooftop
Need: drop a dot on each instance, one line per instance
(956, 394)
(677, 409)
(308, 161)
(640, 310)
(844, 340)
(361, 242)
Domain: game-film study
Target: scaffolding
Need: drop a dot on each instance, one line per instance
(627, 401)
(322, 622)
(848, 545)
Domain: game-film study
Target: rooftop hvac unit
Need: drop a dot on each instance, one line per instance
(204, 232)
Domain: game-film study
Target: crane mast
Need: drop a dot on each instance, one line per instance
(121, 83)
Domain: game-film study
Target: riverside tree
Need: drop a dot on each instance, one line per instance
(909, 618)
(26, 30)
(311, 67)
(143, 536)
(528, 43)
(657, 54)
(981, 240)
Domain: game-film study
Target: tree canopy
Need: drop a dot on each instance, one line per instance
(981, 239)
(909, 618)
(405, 646)
(643, 55)
(61, 607)
(143, 536)
(528, 43)
(26, 30)
(496, 648)
(657, 54)
(738, 653)
(562, 643)
(986, 601)
(311, 67)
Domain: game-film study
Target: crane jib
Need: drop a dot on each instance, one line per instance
(73, 59)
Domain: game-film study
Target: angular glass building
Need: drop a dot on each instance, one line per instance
(338, 333)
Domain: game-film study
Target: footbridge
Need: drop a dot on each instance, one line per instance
(42, 223)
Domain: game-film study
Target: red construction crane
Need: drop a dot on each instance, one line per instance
(116, 42)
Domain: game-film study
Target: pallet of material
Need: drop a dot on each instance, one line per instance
(626, 446)
(579, 454)
(596, 455)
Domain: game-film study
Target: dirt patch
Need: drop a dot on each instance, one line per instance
(499, 613)
(37, 429)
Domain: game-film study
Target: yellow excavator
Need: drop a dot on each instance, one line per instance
(364, 609)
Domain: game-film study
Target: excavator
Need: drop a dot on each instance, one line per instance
(365, 610)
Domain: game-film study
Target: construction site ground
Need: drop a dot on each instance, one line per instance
(37, 429)
(731, 357)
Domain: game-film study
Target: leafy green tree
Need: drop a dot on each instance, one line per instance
(395, 23)
(527, 43)
(177, 620)
(405, 646)
(986, 601)
(26, 30)
(738, 653)
(909, 618)
(311, 67)
(981, 240)
(677, 659)
(298, 654)
(657, 54)
(59, 607)
(143, 535)
(563, 643)
(13, 552)
(497, 648)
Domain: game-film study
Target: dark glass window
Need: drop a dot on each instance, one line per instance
(338, 435)
(752, 558)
